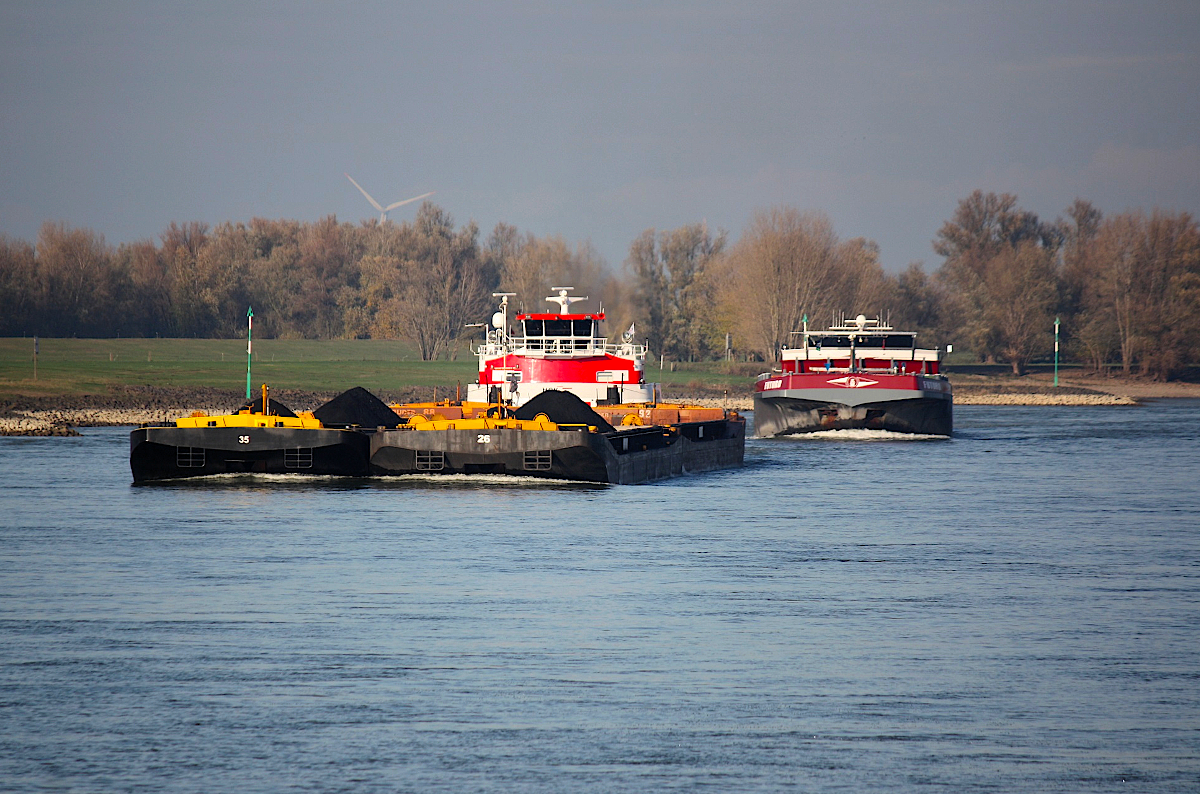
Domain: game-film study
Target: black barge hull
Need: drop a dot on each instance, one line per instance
(627, 456)
(164, 453)
(780, 416)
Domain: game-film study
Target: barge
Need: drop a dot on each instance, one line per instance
(578, 444)
(263, 437)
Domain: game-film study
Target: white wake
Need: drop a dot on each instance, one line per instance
(860, 434)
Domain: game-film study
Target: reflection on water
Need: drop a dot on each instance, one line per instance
(486, 482)
(301, 482)
(1013, 609)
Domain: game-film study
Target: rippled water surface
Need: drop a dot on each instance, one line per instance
(1013, 609)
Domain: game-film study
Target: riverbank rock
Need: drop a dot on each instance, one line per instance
(25, 425)
(732, 403)
(1026, 391)
(1013, 398)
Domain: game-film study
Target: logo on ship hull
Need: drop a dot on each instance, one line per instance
(852, 382)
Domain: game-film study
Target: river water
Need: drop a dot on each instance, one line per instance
(1013, 609)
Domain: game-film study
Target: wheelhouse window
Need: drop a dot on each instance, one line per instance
(557, 331)
(829, 341)
(887, 342)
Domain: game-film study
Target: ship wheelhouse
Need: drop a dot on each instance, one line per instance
(558, 350)
(864, 345)
(558, 334)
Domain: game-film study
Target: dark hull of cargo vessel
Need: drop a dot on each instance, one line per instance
(780, 416)
(164, 453)
(626, 456)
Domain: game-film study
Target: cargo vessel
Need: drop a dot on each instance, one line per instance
(858, 374)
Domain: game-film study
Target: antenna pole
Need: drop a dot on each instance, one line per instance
(249, 345)
(1056, 352)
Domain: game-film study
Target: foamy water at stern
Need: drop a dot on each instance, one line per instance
(1013, 609)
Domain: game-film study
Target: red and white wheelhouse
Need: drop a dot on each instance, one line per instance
(559, 350)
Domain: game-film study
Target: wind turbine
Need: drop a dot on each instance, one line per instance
(383, 211)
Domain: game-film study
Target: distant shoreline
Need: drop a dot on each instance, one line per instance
(131, 406)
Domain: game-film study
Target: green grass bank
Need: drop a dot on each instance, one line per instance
(94, 366)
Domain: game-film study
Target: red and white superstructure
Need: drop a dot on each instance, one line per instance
(861, 374)
(558, 350)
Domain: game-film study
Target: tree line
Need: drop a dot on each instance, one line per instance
(1126, 287)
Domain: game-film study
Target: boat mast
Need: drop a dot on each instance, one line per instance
(860, 322)
(500, 318)
(249, 345)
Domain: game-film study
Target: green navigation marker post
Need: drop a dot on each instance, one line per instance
(249, 344)
(1056, 352)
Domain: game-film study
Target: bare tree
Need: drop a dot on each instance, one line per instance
(649, 298)
(146, 304)
(862, 285)
(785, 266)
(436, 284)
(980, 245)
(533, 270)
(1022, 296)
(919, 303)
(324, 269)
(19, 292)
(74, 266)
(673, 293)
(1169, 288)
(1117, 284)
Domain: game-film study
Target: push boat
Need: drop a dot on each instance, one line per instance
(554, 399)
(861, 374)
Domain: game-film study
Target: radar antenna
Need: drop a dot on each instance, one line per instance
(564, 299)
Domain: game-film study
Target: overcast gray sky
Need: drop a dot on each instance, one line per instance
(595, 121)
